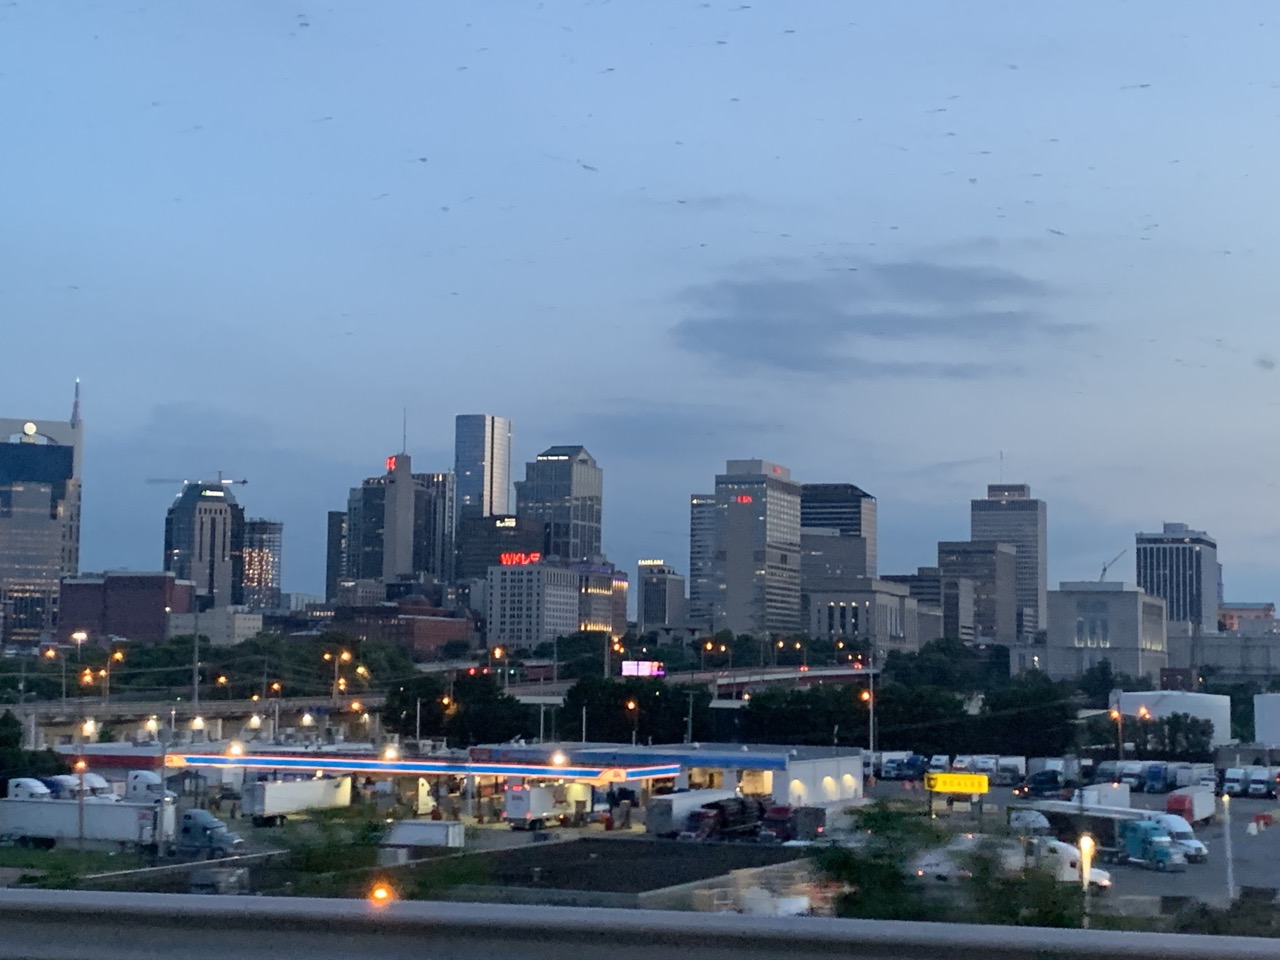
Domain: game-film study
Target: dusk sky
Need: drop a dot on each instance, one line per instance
(876, 242)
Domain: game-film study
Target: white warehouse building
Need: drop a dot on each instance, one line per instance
(1165, 703)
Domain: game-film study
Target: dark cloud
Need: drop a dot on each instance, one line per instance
(801, 321)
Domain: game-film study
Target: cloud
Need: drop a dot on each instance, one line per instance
(868, 320)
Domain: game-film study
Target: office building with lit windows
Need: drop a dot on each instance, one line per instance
(564, 489)
(204, 543)
(1180, 566)
(845, 511)
(482, 465)
(660, 601)
(39, 521)
(263, 544)
(1090, 622)
(1009, 514)
(529, 604)
(749, 539)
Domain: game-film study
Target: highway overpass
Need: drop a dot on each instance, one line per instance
(72, 925)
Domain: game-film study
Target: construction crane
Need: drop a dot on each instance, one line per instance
(221, 480)
(1111, 563)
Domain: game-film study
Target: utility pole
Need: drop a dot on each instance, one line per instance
(195, 661)
(688, 719)
(417, 722)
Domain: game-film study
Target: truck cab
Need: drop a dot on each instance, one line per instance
(1235, 782)
(939, 763)
(1260, 782)
(1183, 837)
(1147, 844)
(1133, 775)
(143, 786)
(28, 788)
(203, 834)
(1158, 778)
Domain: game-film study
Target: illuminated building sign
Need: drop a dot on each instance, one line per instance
(518, 559)
(970, 783)
(505, 522)
(643, 668)
(742, 498)
(391, 464)
(653, 563)
(212, 493)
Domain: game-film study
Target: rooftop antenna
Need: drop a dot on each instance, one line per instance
(1002, 466)
(404, 430)
(75, 406)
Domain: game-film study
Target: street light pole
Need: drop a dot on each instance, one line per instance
(1226, 833)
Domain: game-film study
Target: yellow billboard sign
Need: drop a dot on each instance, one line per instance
(969, 783)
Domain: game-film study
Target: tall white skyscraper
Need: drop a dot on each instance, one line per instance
(482, 465)
(705, 592)
(1010, 515)
(1180, 566)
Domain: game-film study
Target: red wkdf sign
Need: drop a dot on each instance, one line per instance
(518, 559)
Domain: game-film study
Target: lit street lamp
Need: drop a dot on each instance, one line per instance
(633, 708)
(339, 658)
(52, 654)
(1086, 864)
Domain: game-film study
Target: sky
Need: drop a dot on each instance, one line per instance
(918, 247)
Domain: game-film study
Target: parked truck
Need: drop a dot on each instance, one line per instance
(1116, 840)
(783, 824)
(270, 802)
(1183, 837)
(1261, 782)
(667, 814)
(1060, 860)
(1159, 778)
(201, 834)
(1133, 774)
(733, 818)
(1009, 771)
(34, 821)
(1194, 775)
(146, 786)
(1193, 804)
(530, 808)
(1235, 782)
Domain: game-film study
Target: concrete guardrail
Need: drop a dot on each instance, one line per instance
(72, 925)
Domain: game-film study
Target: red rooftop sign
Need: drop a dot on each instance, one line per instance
(518, 559)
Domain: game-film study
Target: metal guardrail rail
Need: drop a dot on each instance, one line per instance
(71, 925)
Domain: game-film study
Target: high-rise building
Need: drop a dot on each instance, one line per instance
(433, 525)
(204, 543)
(263, 543)
(483, 542)
(880, 614)
(992, 566)
(847, 509)
(482, 465)
(755, 567)
(602, 598)
(706, 592)
(1180, 566)
(335, 569)
(564, 488)
(39, 520)
(1010, 515)
(660, 602)
(530, 603)
(953, 597)
(398, 526)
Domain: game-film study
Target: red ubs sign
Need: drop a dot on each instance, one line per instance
(518, 559)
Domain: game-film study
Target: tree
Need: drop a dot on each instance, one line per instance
(416, 704)
(647, 707)
(10, 731)
(1031, 717)
(481, 713)
(877, 883)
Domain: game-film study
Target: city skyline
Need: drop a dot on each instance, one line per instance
(993, 229)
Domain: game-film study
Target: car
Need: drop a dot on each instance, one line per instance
(1042, 783)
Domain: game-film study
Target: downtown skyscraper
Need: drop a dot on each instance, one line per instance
(263, 548)
(745, 551)
(40, 464)
(1009, 514)
(564, 489)
(1180, 566)
(482, 465)
(204, 543)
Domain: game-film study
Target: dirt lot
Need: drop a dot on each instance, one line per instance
(622, 865)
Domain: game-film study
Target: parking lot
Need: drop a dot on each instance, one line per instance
(1256, 858)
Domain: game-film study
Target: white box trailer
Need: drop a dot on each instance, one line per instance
(48, 823)
(407, 836)
(269, 802)
(667, 815)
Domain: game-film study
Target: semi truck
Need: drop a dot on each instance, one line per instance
(666, 815)
(1112, 828)
(785, 824)
(201, 834)
(732, 818)
(1009, 771)
(1183, 837)
(1060, 860)
(45, 823)
(1235, 782)
(269, 803)
(1262, 782)
(1193, 804)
